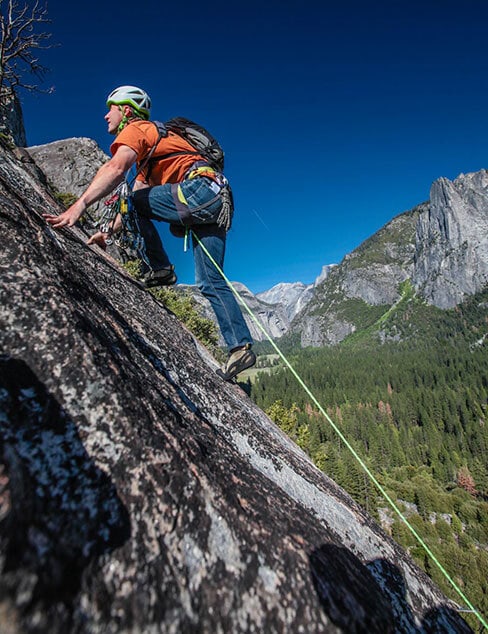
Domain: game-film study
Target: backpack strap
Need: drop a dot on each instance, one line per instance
(147, 162)
(163, 132)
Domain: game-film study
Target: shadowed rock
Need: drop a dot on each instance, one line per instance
(139, 493)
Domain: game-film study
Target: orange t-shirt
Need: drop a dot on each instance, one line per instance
(141, 136)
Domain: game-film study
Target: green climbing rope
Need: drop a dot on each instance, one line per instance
(366, 469)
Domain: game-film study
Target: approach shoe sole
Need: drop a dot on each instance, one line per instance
(240, 360)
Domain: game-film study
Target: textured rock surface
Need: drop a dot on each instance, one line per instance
(11, 118)
(139, 493)
(451, 251)
(70, 164)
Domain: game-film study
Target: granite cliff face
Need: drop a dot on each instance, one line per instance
(441, 247)
(451, 247)
(69, 166)
(138, 492)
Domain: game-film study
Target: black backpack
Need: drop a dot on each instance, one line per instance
(197, 136)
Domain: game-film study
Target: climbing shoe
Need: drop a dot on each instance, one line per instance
(239, 359)
(161, 277)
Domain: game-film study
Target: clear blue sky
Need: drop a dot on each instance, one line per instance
(335, 116)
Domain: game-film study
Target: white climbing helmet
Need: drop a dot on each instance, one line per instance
(131, 96)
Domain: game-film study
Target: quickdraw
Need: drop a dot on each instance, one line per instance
(129, 237)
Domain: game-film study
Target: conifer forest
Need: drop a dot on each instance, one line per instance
(416, 411)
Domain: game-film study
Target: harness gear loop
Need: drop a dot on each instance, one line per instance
(224, 193)
(204, 170)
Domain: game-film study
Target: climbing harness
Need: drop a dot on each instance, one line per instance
(202, 169)
(129, 237)
(363, 465)
(212, 166)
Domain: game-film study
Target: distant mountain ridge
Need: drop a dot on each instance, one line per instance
(440, 247)
(291, 295)
(294, 296)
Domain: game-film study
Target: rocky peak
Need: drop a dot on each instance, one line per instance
(369, 275)
(139, 492)
(451, 248)
(324, 273)
(440, 245)
(292, 296)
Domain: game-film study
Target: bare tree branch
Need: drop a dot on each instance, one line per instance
(19, 29)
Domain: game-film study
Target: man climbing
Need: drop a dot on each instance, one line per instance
(180, 188)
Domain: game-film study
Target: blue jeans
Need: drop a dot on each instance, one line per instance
(158, 203)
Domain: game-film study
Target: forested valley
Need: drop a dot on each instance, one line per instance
(416, 411)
